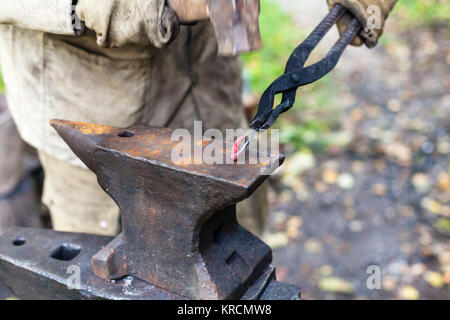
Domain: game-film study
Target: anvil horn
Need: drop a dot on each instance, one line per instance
(82, 138)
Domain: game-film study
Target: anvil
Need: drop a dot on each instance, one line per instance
(179, 235)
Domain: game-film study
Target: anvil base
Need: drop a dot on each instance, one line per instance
(45, 264)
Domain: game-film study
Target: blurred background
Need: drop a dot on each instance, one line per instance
(366, 179)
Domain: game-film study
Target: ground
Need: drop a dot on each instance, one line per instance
(378, 195)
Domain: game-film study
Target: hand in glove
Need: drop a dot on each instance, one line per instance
(122, 22)
(189, 11)
(367, 12)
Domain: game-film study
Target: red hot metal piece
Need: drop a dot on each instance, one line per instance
(235, 151)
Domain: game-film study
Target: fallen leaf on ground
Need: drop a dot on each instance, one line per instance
(298, 163)
(418, 269)
(425, 239)
(313, 246)
(443, 147)
(444, 257)
(443, 224)
(394, 105)
(380, 165)
(356, 226)
(349, 201)
(431, 205)
(357, 166)
(379, 189)
(282, 273)
(330, 176)
(326, 270)
(293, 226)
(356, 115)
(320, 187)
(446, 211)
(373, 111)
(335, 284)
(399, 152)
(286, 196)
(350, 214)
(406, 211)
(444, 181)
(346, 181)
(409, 293)
(447, 278)
(434, 279)
(421, 182)
(279, 217)
(389, 283)
(276, 240)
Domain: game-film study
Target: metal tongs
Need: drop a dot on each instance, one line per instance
(296, 75)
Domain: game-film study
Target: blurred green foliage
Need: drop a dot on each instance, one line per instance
(2, 85)
(280, 36)
(443, 224)
(414, 13)
(309, 125)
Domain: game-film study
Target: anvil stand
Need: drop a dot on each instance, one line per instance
(180, 237)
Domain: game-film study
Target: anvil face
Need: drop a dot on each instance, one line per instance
(180, 231)
(155, 146)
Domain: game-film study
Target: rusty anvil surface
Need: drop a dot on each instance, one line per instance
(37, 264)
(180, 237)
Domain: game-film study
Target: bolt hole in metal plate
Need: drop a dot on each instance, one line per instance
(126, 134)
(66, 252)
(238, 265)
(19, 242)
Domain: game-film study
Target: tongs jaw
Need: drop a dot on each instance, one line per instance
(296, 75)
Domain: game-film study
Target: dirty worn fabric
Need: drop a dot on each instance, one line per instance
(120, 86)
(53, 16)
(75, 201)
(19, 191)
(22, 207)
(12, 151)
(366, 11)
(122, 22)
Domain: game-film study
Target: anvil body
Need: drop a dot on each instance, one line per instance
(180, 236)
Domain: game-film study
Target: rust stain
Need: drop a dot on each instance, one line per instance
(88, 128)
